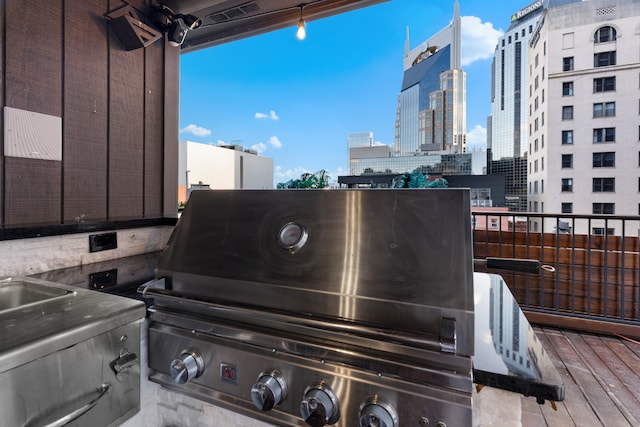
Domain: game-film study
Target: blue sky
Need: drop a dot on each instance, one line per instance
(297, 101)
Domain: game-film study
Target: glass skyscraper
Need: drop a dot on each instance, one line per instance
(431, 113)
(507, 127)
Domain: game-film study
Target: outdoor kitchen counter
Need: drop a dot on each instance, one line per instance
(36, 329)
(508, 355)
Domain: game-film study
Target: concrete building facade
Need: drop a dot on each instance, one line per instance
(584, 125)
(222, 168)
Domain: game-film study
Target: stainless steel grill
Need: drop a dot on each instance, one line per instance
(317, 308)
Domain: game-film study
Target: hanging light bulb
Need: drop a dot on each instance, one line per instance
(301, 33)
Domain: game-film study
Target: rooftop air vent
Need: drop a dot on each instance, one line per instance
(234, 13)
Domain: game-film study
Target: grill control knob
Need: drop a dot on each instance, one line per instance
(319, 406)
(374, 413)
(187, 366)
(268, 391)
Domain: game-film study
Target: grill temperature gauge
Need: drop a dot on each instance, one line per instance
(292, 236)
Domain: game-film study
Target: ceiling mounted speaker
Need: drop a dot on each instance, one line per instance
(130, 30)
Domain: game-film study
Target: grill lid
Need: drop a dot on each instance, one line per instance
(396, 260)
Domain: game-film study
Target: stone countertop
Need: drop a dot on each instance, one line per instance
(508, 354)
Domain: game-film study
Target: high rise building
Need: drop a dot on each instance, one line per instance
(583, 129)
(431, 113)
(360, 139)
(507, 140)
(430, 125)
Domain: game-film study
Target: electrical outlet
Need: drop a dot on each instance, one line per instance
(102, 242)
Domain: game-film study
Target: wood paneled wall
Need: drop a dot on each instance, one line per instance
(62, 59)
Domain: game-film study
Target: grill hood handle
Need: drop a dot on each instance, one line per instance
(514, 264)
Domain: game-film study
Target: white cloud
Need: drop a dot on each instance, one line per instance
(260, 147)
(477, 138)
(275, 142)
(196, 130)
(280, 175)
(479, 39)
(272, 115)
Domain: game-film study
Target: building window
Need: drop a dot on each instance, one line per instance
(567, 184)
(542, 119)
(543, 96)
(604, 160)
(603, 208)
(604, 84)
(567, 89)
(604, 59)
(567, 161)
(604, 185)
(567, 63)
(604, 109)
(604, 135)
(567, 112)
(542, 140)
(599, 231)
(535, 187)
(567, 208)
(542, 191)
(535, 144)
(605, 34)
(567, 137)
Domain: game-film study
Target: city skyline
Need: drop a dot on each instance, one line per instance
(286, 98)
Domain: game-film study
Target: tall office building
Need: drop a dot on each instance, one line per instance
(583, 132)
(507, 141)
(430, 125)
(431, 113)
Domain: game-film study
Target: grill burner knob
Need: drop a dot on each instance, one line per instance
(269, 391)
(319, 406)
(374, 413)
(187, 366)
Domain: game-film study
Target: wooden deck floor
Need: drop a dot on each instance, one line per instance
(601, 377)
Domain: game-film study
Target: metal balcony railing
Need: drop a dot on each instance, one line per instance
(596, 260)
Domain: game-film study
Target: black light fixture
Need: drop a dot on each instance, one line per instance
(128, 27)
(176, 25)
(301, 33)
